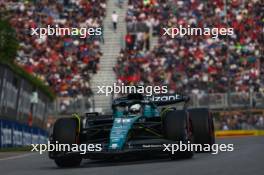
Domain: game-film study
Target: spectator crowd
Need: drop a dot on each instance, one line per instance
(240, 121)
(65, 63)
(194, 64)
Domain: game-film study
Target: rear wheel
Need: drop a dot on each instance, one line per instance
(203, 126)
(177, 127)
(66, 132)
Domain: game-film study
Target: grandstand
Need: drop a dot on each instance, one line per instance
(65, 63)
(194, 64)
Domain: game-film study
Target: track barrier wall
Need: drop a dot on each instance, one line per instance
(14, 134)
(237, 133)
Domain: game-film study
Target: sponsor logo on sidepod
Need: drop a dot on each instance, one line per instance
(166, 98)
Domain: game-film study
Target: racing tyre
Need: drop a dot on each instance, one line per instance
(177, 127)
(65, 132)
(203, 126)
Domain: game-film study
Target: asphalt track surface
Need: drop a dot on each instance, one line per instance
(246, 159)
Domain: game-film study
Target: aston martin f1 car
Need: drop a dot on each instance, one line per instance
(138, 124)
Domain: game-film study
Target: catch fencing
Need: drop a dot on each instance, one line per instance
(216, 101)
(19, 99)
(225, 100)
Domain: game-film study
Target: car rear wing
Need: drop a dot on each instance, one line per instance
(168, 99)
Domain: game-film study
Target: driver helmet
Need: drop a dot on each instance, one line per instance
(135, 108)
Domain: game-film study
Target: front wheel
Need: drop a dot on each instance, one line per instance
(65, 132)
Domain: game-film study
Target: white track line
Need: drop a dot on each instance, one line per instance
(17, 157)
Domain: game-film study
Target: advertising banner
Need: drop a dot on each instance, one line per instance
(13, 134)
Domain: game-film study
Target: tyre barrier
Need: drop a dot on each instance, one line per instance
(238, 133)
(14, 134)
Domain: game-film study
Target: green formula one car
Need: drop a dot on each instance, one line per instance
(139, 124)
